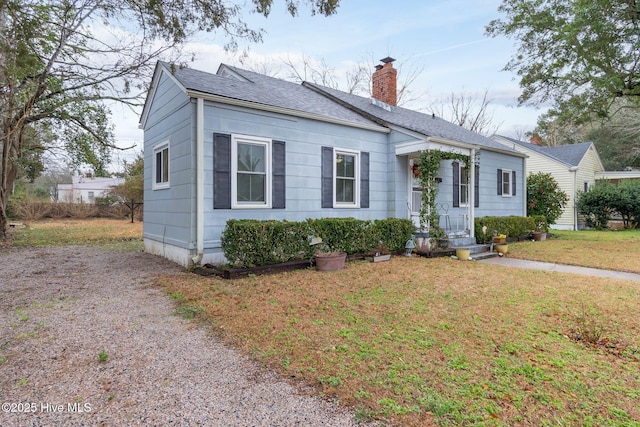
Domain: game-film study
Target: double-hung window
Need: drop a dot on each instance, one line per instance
(251, 172)
(464, 186)
(506, 183)
(346, 178)
(161, 166)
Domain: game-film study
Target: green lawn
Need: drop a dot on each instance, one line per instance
(618, 250)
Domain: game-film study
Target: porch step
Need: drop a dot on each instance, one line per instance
(457, 242)
(478, 251)
(484, 255)
(473, 249)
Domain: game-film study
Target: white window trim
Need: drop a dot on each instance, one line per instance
(156, 149)
(509, 173)
(245, 139)
(356, 190)
(462, 185)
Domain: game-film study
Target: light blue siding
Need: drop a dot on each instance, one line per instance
(169, 214)
(304, 139)
(492, 204)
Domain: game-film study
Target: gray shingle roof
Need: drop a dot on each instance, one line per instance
(570, 154)
(264, 90)
(425, 124)
(323, 101)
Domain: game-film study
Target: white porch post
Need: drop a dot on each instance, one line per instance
(471, 192)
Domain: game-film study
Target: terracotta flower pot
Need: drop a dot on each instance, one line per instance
(328, 261)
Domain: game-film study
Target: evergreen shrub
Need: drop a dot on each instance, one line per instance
(250, 243)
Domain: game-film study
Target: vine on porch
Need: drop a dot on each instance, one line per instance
(426, 172)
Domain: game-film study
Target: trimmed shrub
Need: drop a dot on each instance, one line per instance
(249, 243)
(511, 226)
(348, 235)
(393, 232)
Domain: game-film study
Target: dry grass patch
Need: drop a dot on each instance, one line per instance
(99, 231)
(438, 341)
(615, 250)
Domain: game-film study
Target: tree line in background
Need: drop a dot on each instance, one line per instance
(62, 62)
(583, 58)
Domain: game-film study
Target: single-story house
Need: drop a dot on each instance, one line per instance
(575, 167)
(85, 188)
(238, 144)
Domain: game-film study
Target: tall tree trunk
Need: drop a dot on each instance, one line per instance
(4, 189)
(7, 174)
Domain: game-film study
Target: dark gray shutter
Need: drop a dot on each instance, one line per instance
(279, 167)
(476, 186)
(499, 182)
(221, 171)
(456, 184)
(327, 177)
(364, 180)
(513, 183)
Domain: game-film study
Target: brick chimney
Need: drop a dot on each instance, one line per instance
(535, 139)
(384, 82)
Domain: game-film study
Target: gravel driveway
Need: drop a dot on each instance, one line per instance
(61, 308)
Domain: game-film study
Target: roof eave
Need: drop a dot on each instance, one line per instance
(157, 73)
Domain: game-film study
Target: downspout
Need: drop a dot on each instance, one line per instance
(199, 181)
(471, 192)
(574, 169)
(524, 186)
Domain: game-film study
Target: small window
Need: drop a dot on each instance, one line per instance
(586, 186)
(464, 186)
(506, 183)
(251, 166)
(91, 195)
(346, 179)
(161, 166)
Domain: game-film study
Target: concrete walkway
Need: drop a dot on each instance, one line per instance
(561, 268)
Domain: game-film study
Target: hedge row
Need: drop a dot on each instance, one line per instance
(511, 226)
(250, 243)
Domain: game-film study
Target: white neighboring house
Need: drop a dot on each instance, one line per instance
(85, 189)
(574, 166)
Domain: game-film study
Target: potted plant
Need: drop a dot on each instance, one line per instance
(540, 233)
(463, 254)
(502, 249)
(378, 254)
(499, 239)
(326, 258)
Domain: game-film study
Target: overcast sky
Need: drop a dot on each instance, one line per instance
(444, 39)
